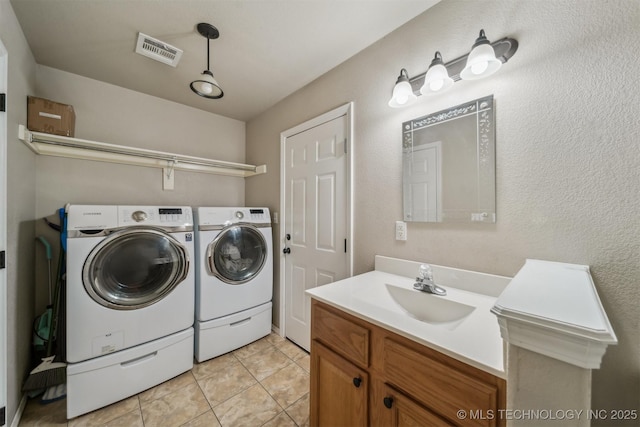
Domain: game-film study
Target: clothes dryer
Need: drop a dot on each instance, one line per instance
(234, 278)
(130, 300)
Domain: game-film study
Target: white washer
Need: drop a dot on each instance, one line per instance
(234, 278)
(130, 301)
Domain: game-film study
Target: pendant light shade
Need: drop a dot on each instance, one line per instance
(402, 92)
(206, 85)
(437, 78)
(482, 61)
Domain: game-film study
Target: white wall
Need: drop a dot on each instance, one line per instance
(568, 158)
(20, 208)
(112, 114)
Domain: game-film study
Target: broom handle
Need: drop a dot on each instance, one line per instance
(56, 294)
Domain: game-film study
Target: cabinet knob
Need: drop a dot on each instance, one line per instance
(357, 381)
(388, 402)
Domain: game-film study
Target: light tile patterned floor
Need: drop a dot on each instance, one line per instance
(265, 383)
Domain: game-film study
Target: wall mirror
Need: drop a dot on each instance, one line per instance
(448, 163)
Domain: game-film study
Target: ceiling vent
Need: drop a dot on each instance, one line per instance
(158, 50)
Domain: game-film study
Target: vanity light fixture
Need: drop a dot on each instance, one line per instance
(402, 92)
(437, 78)
(206, 85)
(484, 59)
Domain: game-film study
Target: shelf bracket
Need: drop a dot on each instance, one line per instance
(168, 174)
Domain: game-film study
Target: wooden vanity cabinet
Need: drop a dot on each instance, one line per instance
(365, 375)
(342, 390)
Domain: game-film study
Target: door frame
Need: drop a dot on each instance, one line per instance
(4, 78)
(343, 110)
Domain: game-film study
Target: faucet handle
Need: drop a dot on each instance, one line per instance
(425, 272)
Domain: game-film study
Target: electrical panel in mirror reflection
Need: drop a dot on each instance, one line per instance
(449, 165)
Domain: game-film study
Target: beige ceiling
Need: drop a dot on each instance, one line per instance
(267, 49)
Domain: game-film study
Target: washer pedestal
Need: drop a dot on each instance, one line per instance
(228, 333)
(104, 380)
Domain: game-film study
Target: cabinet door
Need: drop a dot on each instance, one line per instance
(339, 390)
(400, 411)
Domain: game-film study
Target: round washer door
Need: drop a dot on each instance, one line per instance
(134, 268)
(237, 254)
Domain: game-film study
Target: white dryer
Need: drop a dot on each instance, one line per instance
(130, 301)
(234, 278)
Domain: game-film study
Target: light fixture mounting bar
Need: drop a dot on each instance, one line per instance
(504, 48)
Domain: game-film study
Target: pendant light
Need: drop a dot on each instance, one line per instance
(437, 78)
(402, 92)
(206, 85)
(482, 61)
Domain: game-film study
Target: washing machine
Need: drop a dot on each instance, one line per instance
(234, 278)
(130, 300)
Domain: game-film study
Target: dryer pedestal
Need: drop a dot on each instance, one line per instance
(104, 380)
(224, 334)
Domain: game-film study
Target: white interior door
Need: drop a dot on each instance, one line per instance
(315, 218)
(423, 183)
(3, 234)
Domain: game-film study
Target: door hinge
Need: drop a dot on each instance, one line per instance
(345, 246)
(345, 146)
(3, 102)
(2, 260)
(3, 419)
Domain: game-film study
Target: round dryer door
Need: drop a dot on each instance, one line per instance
(134, 268)
(237, 254)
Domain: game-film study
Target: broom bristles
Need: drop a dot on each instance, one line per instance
(46, 374)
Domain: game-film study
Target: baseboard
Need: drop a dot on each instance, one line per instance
(275, 330)
(18, 415)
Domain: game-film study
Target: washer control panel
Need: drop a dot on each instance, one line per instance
(153, 215)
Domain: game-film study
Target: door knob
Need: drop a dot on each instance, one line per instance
(286, 250)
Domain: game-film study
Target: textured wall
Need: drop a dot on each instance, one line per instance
(568, 158)
(20, 209)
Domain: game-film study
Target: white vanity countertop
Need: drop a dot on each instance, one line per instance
(475, 340)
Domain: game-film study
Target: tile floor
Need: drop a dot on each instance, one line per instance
(265, 383)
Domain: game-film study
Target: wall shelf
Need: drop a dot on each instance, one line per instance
(74, 148)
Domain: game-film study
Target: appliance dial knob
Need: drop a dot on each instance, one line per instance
(239, 214)
(139, 216)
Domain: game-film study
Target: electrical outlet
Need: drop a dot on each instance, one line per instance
(401, 230)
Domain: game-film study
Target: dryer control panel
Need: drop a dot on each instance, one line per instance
(208, 216)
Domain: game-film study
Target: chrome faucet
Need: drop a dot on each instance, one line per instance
(425, 283)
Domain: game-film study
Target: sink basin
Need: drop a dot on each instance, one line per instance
(427, 307)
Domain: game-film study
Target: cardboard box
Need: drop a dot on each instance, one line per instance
(47, 116)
